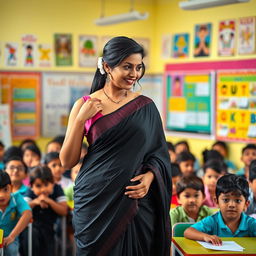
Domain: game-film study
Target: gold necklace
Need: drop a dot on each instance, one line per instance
(116, 102)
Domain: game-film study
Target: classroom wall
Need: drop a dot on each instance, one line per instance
(170, 19)
(44, 18)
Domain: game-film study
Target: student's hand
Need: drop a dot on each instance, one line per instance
(140, 190)
(89, 109)
(8, 240)
(215, 240)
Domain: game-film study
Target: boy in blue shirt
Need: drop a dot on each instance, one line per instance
(251, 210)
(15, 215)
(232, 194)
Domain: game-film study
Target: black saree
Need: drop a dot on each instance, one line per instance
(123, 144)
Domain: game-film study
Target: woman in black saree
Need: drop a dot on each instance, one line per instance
(123, 189)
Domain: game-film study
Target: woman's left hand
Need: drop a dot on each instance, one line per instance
(140, 190)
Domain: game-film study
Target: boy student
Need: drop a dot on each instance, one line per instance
(176, 174)
(17, 171)
(47, 201)
(232, 194)
(190, 191)
(15, 215)
(52, 160)
(251, 210)
(186, 161)
(248, 154)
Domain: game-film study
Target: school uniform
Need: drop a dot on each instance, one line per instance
(22, 190)
(252, 207)
(214, 225)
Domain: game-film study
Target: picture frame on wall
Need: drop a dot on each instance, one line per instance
(63, 49)
(202, 44)
(246, 35)
(180, 45)
(226, 38)
(88, 50)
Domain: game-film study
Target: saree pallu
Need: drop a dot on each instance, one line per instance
(123, 144)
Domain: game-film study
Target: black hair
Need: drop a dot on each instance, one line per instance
(185, 156)
(51, 156)
(4, 179)
(10, 152)
(170, 146)
(192, 181)
(1, 144)
(35, 149)
(252, 170)
(114, 52)
(232, 183)
(43, 173)
(184, 142)
(249, 146)
(214, 164)
(25, 141)
(175, 170)
(221, 144)
(17, 158)
(59, 139)
(212, 154)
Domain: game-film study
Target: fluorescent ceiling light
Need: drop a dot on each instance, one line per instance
(200, 4)
(124, 17)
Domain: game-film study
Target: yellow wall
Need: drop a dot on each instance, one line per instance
(44, 18)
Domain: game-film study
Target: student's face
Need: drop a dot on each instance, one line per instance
(174, 182)
(30, 158)
(187, 167)
(210, 179)
(191, 200)
(231, 206)
(248, 156)
(39, 187)
(5, 195)
(16, 171)
(126, 73)
(221, 150)
(53, 147)
(253, 187)
(181, 148)
(75, 171)
(56, 168)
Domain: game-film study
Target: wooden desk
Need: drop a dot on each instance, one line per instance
(188, 247)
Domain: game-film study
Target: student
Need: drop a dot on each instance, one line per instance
(55, 144)
(212, 172)
(222, 148)
(15, 215)
(10, 152)
(251, 210)
(190, 191)
(17, 171)
(176, 174)
(27, 142)
(52, 160)
(171, 151)
(248, 154)
(1, 155)
(48, 202)
(186, 161)
(232, 194)
(32, 156)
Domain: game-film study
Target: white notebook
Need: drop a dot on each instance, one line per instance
(226, 246)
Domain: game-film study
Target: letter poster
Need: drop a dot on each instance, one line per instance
(236, 105)
(190, 98)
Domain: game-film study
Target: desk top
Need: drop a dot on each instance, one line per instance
(192, 248)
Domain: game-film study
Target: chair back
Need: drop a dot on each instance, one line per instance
(179, 228)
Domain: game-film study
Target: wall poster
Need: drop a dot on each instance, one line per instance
(22, 92)
(60, 91)
(236, 105)
(189, 101)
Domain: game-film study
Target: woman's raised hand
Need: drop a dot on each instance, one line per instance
(89, 109)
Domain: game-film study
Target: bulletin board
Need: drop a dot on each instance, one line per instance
(190, 97)
(21, 91)
(236, 105)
